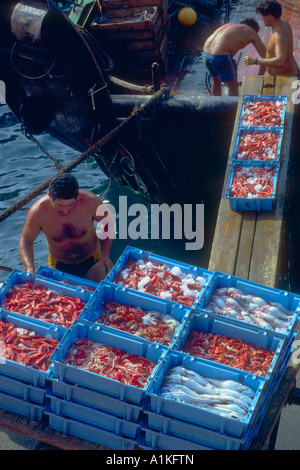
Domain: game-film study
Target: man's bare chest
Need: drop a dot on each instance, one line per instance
(271, 46)
(68, 231)
(64, 229)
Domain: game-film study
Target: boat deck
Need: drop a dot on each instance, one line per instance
(186, 74)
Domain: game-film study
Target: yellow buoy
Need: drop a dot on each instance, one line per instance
(187, 16)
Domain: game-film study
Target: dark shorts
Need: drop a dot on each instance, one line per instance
(77, 269)
(223, 66)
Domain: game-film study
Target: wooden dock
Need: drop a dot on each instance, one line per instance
(251, 245)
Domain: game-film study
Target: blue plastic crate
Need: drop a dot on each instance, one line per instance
(19, 276)
(252, 203)
(288, 300)
(205, 323)
(22, 390)
(88, 432)
(25, 408)
(196, 434)
(69, 279)
(112, 338)
(156, 440)
(263, 98)
(108, 292)
(92, 399)
(249, 130)
(22, 372)
(201, 416)
(135, 254)
(100, 419)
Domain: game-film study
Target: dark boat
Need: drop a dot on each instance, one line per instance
(59, 81)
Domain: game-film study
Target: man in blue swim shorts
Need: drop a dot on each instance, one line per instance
(219, 51)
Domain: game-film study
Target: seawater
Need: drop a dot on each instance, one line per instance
(24, 168)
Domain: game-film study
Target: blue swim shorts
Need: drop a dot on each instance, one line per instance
(223, 66)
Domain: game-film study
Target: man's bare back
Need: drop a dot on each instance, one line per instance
(221, 47)
(230, 38)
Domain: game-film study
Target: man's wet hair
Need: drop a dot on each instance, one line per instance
(252, 23)
(63, 186)
(269, 6)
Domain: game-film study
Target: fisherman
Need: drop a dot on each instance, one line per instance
(66, 216)
(279, 59)
(220, 48)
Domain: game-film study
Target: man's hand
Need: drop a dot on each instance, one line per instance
(106, 262)
(30, 269)
(249, 60)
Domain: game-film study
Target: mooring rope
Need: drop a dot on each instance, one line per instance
(163, 93)
(42, 149)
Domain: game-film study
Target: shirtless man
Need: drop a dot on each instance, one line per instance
(66, 216)
(220, 48)
(279, 58)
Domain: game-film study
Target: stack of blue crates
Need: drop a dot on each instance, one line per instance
(254, 203)
(122, 416)
(104, 428)
(23, 388)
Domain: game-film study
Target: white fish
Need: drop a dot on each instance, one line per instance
(282, 308)
(276, 312)
(196, 387)
(274, 322)
(235, 290)
(231, 312)
(198, 377)
(219, 301)
(232, 302)
(213, 307)
(233, 395)
(261, 322)
(230, 384)
(231, 407)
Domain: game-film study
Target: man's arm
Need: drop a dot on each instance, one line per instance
(261, 49)
(279, 59)
(106, 219)
(259, 46)
(29, 234)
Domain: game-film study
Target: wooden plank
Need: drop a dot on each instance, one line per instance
(128, 23)
(124, 9)
(107, 5)
(244, 254)
(270, 226)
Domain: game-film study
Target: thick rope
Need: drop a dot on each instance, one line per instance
(163, 93)
(42, 149)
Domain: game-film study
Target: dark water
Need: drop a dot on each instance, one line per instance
(24, 168)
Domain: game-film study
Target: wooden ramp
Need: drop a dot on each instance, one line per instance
(249, 244)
